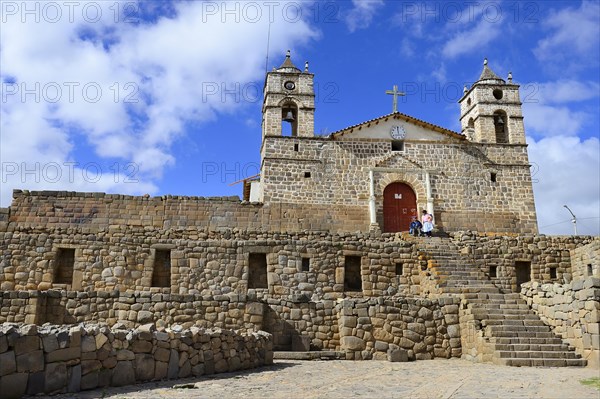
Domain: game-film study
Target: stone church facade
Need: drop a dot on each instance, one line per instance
(388, 169)
(317, 253)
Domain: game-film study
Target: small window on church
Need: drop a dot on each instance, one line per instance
(397, 145)
(296, 147)
(553, 273)
(468, 101)
(493, 271)
(493, 177)
(307, 175)
(497, 94)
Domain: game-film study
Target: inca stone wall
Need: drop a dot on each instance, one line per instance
(543, 253)
(130, 308)
(572, 310)
(95, 211)
(216, 263)
(586, 260)
(54, 359)
(336, 173)
(399, 329)
(361, 328)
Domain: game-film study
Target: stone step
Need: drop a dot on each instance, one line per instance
(513, 322)
(503, 316)
(526, 341)
(518, 329)
(528, 362)
(537, 354)
(533, 347)
(461, 290)
(312, 355)
(501, 306)
(520, 334)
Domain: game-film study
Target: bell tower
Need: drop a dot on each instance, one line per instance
(490, 111)
(289, 98)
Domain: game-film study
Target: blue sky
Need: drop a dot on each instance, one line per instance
(165, 97)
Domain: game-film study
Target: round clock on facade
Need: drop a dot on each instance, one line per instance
(397, 132)
(289, 85)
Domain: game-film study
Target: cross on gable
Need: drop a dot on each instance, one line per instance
(395, 93)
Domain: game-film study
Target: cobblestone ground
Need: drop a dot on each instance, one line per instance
(371, 379)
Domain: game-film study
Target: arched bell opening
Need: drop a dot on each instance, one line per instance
(501, 127)
(289, 120)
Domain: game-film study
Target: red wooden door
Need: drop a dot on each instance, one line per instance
(399, 206)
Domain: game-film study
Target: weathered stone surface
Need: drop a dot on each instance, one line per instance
(63, 355)
(8, 363)
(74, 379)
(397, 355)
(173, 368)
(27, 343)
(88, 344)
(89, 381)
(125, 354)
(30, 362)
(454, 331)
(13, 386)
(144, 317)
(123, 374)
(87, 366)
(352, 343)
(56, 376)
(144, 367)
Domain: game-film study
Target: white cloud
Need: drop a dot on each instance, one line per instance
(153, 77)
(477, 37)
(361, 15)
(549, 110)
(566, 171)
(545, 120)
(574, 40)
(562, 91)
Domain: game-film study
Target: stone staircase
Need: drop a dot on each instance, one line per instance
(511, 334)
(497, 327)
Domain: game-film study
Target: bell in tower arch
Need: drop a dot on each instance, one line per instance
(289, 117)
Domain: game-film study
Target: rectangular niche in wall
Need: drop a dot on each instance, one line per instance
(305, 264)
(161, 273)
(63, 271)
(352, 280)
(399, 269)
(257, 270)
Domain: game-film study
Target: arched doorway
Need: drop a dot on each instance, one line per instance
(399, 206)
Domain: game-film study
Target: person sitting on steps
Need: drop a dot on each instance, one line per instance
(415, 227)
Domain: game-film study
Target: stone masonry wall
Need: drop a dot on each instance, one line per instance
(96, 211)
(543, 253)
(399, 329)
(464, 195)
(217, 263)
(206, 263)
(572, 310)
(420, 328)
(130, 308)
(56, 359)
(586, 260)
